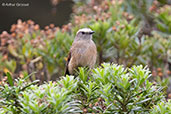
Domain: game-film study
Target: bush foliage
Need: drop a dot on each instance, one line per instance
(105, 90)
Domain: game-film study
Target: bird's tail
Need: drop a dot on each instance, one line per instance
(67, 71)
(68, 59)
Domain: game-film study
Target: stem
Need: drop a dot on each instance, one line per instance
(123, 106)
(118, 55)
(100, 57)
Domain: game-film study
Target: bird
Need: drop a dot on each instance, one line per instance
(83, 52)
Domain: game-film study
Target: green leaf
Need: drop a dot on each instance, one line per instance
(143, 101)
(10, 80)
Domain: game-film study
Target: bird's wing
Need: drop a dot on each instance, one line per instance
(75, 55)
(68, 60)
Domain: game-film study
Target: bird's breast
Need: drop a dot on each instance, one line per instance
(88, 55)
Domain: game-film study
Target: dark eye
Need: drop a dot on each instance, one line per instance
(83, 32)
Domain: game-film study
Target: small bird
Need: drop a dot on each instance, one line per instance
(83, 52)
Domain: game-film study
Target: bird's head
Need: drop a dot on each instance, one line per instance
(84, 34)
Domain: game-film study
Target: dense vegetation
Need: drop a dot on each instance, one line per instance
(106, 90)
(127, 33)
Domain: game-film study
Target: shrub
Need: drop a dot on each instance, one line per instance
(41, 51)
(10, 94)
(126, 90)
(162, 108)
(24, 98)
(106, 89)
(163, 20)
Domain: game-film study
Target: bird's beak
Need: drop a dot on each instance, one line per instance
(92, 32)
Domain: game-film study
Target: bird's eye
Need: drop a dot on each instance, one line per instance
(83, 32)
